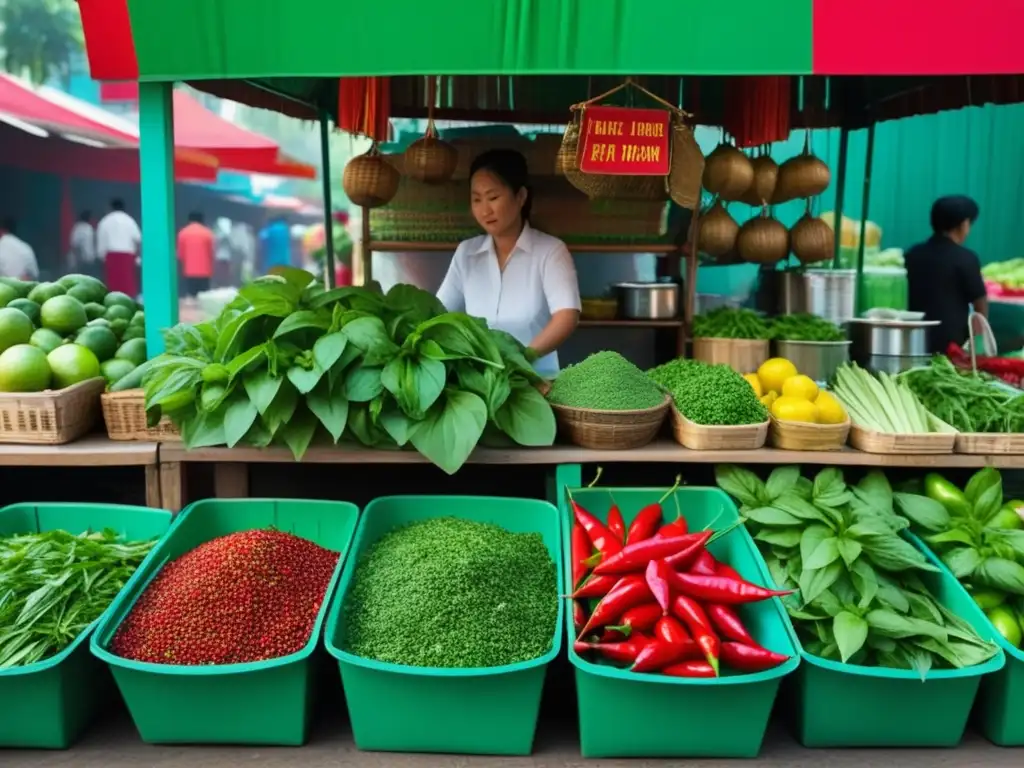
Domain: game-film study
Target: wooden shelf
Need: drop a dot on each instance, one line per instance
(677, 323)
(396, 246)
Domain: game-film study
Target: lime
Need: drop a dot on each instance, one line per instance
(63, 314)
(20, 286)
(7, 295)
(1006, 624)
(133, 350)
(44, 291)
(46, 339)
(29, 307)
(100, 340)
(118, 312)
(94, 310)
(23, 368)
(115, 370)
(116, 298)
(987, 599)
(15, 328)
(72, 363)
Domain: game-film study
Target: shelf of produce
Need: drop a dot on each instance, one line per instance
(231, 471)
(395, 246)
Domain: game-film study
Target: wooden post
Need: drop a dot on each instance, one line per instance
(156, 170)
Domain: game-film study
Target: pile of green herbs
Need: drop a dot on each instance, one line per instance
(968, 401)
(731, 323)
(805, 327)
(54, 584)
(605, 381)
(287, 362)
(710, 395)
(449, 592)
(861, 598)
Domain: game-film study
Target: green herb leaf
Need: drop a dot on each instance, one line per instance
(1001, 574)
(238, 420)
(850, 631)
(451, 429)
(922, 511)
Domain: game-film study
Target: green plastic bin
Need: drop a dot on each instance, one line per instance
(484, 711)
(1000, 703)
(265, 702)
(845, 705)
(625, 714)
(49, 704)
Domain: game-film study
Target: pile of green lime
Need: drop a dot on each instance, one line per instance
(56, 334)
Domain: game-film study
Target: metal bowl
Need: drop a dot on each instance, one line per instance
(648, 301)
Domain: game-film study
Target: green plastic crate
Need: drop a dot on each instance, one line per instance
(845, 705)
(625, 714)
(1000, 703)
(398, 708)
(49, 704)
(265, 702)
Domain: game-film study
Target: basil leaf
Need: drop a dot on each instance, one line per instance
(922, 511)
(451, 429)
(1001, 574)
(850, 632)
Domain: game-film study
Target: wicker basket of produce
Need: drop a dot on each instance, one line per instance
(611, 430)
(605, 402)
(125, 416)
(697, 437)
(53, 417)
(803, 436)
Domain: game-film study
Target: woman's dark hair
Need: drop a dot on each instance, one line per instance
(509, 166)
(950, 212)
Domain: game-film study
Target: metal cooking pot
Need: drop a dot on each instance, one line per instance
(648, 301)
(827, 293)
(889, 338)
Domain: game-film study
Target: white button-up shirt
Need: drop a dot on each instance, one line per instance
(539, 279)
(117, 232)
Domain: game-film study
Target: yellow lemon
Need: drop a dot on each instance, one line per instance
(830, 410)
(755, 382)
(795, 409)
(774, 372)
(770, 398)
(800, 386)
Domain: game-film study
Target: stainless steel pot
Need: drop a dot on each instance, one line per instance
(828, 293)
(648, 301)
(817, 359)
(873, 338)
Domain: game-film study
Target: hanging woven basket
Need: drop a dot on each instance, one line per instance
(369, 180)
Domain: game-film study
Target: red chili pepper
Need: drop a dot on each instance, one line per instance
(704, 564)
(722, 589)
(636, 556)
(747, 658)
(579, 615)
(690, 669)
(581, 551)
(630, 591)
(649, 518)
(657, 575)
(692, 615)
(625, 652)
(729, 625)
(642, 618)
(595, 586)
(684, 558)
(658, 654)
(601, 537)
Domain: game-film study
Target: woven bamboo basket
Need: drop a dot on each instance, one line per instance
(800, 436)
(869, 441)
(53, 417)
(698, 437)
(610, 430)
(742, 355)
(125, 417)
(989, 443)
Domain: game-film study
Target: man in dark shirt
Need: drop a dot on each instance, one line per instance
(944, 277)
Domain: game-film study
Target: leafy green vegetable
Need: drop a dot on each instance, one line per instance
(54, 584)
(860, 599)
(288, 363)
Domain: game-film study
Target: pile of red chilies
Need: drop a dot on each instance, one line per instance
(661, 602)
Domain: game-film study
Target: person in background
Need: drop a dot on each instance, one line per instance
(276, 243)
(82, 246)
(944, 278)
(196, 245)
(517, 278)
(17, 259)
(118, 242)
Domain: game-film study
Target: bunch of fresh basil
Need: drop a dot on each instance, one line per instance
(860, 596)
(287, 362)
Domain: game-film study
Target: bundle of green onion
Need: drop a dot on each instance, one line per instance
(883, 403)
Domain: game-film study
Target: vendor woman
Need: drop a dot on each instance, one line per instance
(517, 278)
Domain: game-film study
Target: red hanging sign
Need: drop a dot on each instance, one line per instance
(624, 142)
